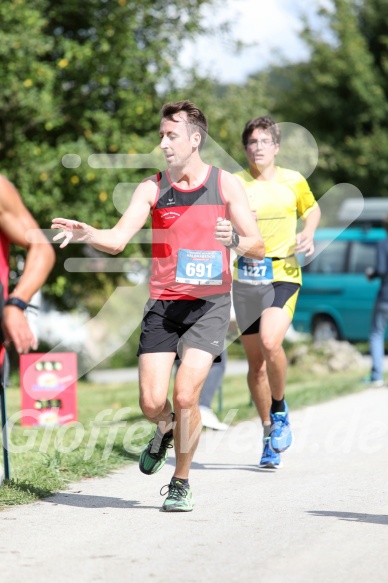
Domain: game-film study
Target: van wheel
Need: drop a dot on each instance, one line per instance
(324, 328)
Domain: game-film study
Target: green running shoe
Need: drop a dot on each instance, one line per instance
(154, 456)
(179, 499)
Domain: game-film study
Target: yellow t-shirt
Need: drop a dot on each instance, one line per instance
(279, 203)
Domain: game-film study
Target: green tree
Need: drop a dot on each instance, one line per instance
(84, 81)
(340, 95)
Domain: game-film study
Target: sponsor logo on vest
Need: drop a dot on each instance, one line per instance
(170, 215)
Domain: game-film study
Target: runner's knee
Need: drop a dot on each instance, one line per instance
(185, 400)
(270, 347)
(150, 406)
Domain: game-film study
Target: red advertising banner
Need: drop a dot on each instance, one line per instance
(48, 383)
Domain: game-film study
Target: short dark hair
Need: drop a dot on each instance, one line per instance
(196, 119)
(265, 123)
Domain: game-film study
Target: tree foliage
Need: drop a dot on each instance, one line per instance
(80, 81)
(340, 95)
(91, 80)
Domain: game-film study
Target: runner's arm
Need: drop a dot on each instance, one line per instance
(305, 239)
(113, 240)
(20, 228)
(251, 243)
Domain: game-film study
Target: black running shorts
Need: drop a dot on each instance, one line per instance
(249, 302)
(200, 323)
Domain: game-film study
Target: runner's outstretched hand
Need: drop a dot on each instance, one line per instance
(71, 231)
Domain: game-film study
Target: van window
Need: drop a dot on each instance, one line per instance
(362, 255)
(330, 260)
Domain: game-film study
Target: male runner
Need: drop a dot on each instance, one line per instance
(265, 292)
(189, 306)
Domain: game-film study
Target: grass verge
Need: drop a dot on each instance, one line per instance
(111, 431)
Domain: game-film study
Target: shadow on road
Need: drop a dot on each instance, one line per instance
(87, 501)
(221, 466)
(352, 516)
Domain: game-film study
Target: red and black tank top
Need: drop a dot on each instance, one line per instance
(4, 274)
(187, 262)
(4, 267)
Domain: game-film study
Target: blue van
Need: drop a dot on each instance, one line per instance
(336, 299)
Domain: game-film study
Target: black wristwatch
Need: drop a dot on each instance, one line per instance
(235, 240)
(22, 305)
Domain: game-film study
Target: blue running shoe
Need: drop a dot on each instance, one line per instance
(269, 458)
(281, 435)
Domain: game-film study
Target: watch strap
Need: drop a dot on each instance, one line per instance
(235, 240)
(16, 302)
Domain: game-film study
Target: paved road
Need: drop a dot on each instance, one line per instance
(322, 517)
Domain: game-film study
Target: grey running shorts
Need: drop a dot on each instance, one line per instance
(249, 302)
(199, 323)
